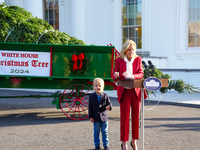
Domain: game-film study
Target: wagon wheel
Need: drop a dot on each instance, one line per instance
(74, 101)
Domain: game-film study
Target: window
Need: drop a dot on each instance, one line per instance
(194, 23)
(132, 21)
(51, 13)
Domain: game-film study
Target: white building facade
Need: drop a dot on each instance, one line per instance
(166, 32)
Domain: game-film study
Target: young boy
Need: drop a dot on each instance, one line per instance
(99, 104)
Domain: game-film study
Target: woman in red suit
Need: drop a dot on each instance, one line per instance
(129, 65)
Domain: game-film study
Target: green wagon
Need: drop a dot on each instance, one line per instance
(51, 66)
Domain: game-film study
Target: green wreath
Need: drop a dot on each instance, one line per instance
(84, 62)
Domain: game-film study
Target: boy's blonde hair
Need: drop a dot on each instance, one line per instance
(100, 81)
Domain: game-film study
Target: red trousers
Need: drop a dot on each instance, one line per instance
(129, 99)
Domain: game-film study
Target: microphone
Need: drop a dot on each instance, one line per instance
(145, 65)
(151, 65)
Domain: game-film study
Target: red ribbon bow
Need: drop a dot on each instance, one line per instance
(75, 59)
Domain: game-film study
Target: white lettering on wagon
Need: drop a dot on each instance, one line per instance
(24, 63)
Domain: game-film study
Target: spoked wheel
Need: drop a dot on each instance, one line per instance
(74, 101)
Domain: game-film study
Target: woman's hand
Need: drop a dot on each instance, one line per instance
(128, 75)
(116, 75)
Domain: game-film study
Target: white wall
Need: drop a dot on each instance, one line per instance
(14, 2)
(1, 1)
(162, 28)
(98, 20)
(64, 16)
(35, 7)
(166, 24)
(102, 23)
(168, 32)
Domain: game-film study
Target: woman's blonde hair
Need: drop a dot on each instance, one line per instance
(126, 46)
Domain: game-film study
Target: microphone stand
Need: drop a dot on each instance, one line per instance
(142, 100)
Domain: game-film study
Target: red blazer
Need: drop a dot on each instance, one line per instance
(120, 66)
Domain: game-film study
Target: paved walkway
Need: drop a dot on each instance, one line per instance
(36, 124)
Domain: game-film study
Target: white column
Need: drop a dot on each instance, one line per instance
(181, 27)
(117, 24)
(145, 25)
(78, 19)
(35, 7)
(62, 12)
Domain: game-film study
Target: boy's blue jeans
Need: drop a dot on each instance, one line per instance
(104, 131)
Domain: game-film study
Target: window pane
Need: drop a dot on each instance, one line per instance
(124, 40)
(51, 14)
(124, 10)
(124, 20)
(46, 5)
(139, 7)
(132, 20)
(198, 40)
(55, 5)
(198, 28)
(132, 2)
(51, 5)
(132, 32)
(139, 42)
(139, 1)
(198, 14)
(46, 14)
(139, 31)
(198, 3)
(124, 3)
(56, 14)
(51, 22)
(192, 4)
(192, 15)
(134, 39)
(139, 19)
(135, 32)
(125, 32)
(57, 24)
(132, 9)
(191, 40)
(192, 28)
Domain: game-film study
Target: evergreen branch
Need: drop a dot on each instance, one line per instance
(178, 85)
